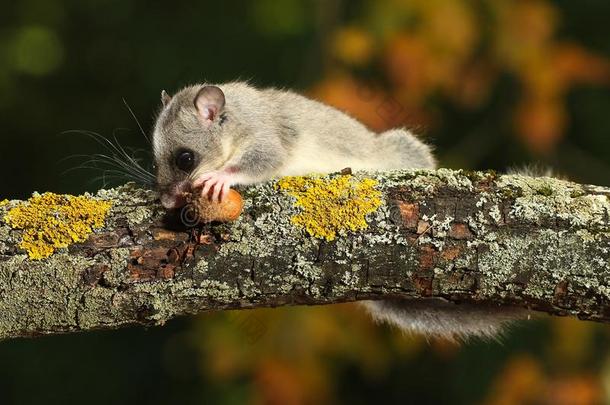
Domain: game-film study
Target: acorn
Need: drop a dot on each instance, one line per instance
(208, 211)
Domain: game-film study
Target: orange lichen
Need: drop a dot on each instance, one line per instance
(51, 221)
(332, 205)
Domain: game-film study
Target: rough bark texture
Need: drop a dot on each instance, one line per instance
(539, 243)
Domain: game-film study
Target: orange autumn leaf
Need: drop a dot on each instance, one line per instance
(576, 64)
(474, 86)
(450, 27)
(353, 46)
(282, 384)
(431, 54)
(522, 381)
(408, 67)
(541, 123)
(360, 100)
(523, 29)
(575, 390)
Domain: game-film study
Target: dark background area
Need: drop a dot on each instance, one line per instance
(492, 84)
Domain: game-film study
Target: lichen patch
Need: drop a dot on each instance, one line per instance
(332, 205)
(540, 199)
(50, 221)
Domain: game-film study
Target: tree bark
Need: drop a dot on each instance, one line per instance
(538, 243)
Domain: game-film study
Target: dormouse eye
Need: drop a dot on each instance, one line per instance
(185, 160)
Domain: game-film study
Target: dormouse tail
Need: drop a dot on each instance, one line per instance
(439, 318)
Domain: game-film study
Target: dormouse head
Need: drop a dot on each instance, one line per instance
(188, 139)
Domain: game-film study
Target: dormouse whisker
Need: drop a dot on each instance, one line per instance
(117, 164)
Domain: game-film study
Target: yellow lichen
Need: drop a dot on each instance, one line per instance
(51, 221)
(3, 203)
(332, 205)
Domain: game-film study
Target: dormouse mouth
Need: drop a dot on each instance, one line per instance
(174, 196)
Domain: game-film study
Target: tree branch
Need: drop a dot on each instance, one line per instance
(538, 243)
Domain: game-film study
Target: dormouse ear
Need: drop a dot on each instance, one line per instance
(209, 101)
(165, 98)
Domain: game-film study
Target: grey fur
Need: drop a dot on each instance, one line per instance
(271, 133)
(439, 318)
(165, 98)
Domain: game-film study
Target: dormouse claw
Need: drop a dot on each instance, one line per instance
(218, 183)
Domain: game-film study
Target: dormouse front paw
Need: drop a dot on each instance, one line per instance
(215, 185)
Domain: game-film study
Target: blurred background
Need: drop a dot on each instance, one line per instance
(491, 83)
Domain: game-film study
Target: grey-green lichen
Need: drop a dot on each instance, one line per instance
(115, 261)
(534, 199)
(39, 293)
(426, 180)
(263, 256)
(5, 238)
(132, 203)
(545, 198)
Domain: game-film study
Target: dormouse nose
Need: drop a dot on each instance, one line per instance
(175, 196)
